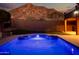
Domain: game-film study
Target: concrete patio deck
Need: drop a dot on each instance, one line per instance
(74, 39)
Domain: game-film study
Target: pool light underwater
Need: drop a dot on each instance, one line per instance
(38, 37)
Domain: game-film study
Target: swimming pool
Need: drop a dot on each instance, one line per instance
(38, 44)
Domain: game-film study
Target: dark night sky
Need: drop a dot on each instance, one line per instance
(59, 6)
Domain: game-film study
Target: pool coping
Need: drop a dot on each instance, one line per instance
(64, 37)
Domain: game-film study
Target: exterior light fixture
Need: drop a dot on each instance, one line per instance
(76, 12)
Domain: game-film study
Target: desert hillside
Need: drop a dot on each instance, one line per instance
(37, 12)
(37, 18)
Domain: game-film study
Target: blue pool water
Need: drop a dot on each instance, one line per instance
(38, 44)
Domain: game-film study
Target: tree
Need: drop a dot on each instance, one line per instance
(4, 16)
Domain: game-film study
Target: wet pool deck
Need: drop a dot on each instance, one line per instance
(74, 39)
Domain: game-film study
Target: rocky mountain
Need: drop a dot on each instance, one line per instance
(37, 18)
(37, 12)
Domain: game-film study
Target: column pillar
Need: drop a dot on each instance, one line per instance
(77, 26)
(65, 25)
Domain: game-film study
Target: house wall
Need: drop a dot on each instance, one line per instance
(69, 27)
(71, 24)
